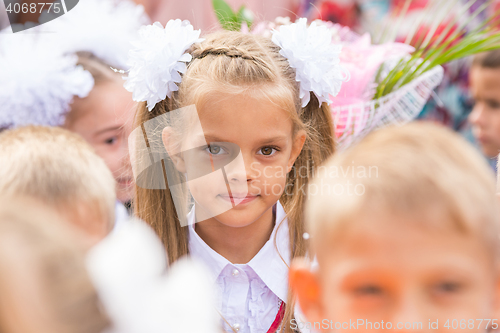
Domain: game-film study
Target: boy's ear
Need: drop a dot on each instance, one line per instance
(305, 285)
(298, 144)
(173, 149)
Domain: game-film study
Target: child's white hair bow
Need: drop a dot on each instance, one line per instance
(316, 60)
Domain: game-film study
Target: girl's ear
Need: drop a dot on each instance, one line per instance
(298, 144)
(304, 284)
(173, 149)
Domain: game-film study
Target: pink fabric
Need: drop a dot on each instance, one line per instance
(362, 59)
(201, 14)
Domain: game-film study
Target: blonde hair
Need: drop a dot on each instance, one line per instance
(238, 63)
(55, 258)
(57, 167)
(419, 170)
(100, 71)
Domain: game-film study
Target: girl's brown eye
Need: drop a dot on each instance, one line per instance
(267, 151)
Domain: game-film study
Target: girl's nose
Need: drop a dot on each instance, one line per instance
(477, 116)
(240, 169)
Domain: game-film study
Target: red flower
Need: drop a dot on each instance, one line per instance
(347, 15)
(398, 5)
(495, 15)
(423, 31)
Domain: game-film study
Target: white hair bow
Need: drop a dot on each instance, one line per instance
(309, 49)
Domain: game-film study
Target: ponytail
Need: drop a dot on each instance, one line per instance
(319, 145)
(156, 206)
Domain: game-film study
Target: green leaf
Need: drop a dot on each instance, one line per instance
(226, 16)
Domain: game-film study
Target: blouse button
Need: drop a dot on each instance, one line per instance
(236, 327)
(236, 272)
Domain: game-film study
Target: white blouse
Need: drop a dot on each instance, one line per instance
(249, 295)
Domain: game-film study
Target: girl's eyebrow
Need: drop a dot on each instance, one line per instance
(108, 129)
(211, 138)
(274, 139)
(214, 138)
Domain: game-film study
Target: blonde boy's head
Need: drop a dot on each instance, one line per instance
(405, 228)
(419, 169)
(60, 169)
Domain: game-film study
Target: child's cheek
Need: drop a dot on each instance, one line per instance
(272, 180)
(112, 160)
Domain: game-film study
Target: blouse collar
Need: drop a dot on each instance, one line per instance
(271, 263)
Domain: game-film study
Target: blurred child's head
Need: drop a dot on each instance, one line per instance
(44, 284)
(485, 89)
(60, 169)
(74, 90)
(404, 227)
(104, 119)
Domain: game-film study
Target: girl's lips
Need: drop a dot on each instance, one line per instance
(238, 200)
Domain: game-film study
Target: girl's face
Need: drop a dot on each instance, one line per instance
(104, 119)
(250, 145)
